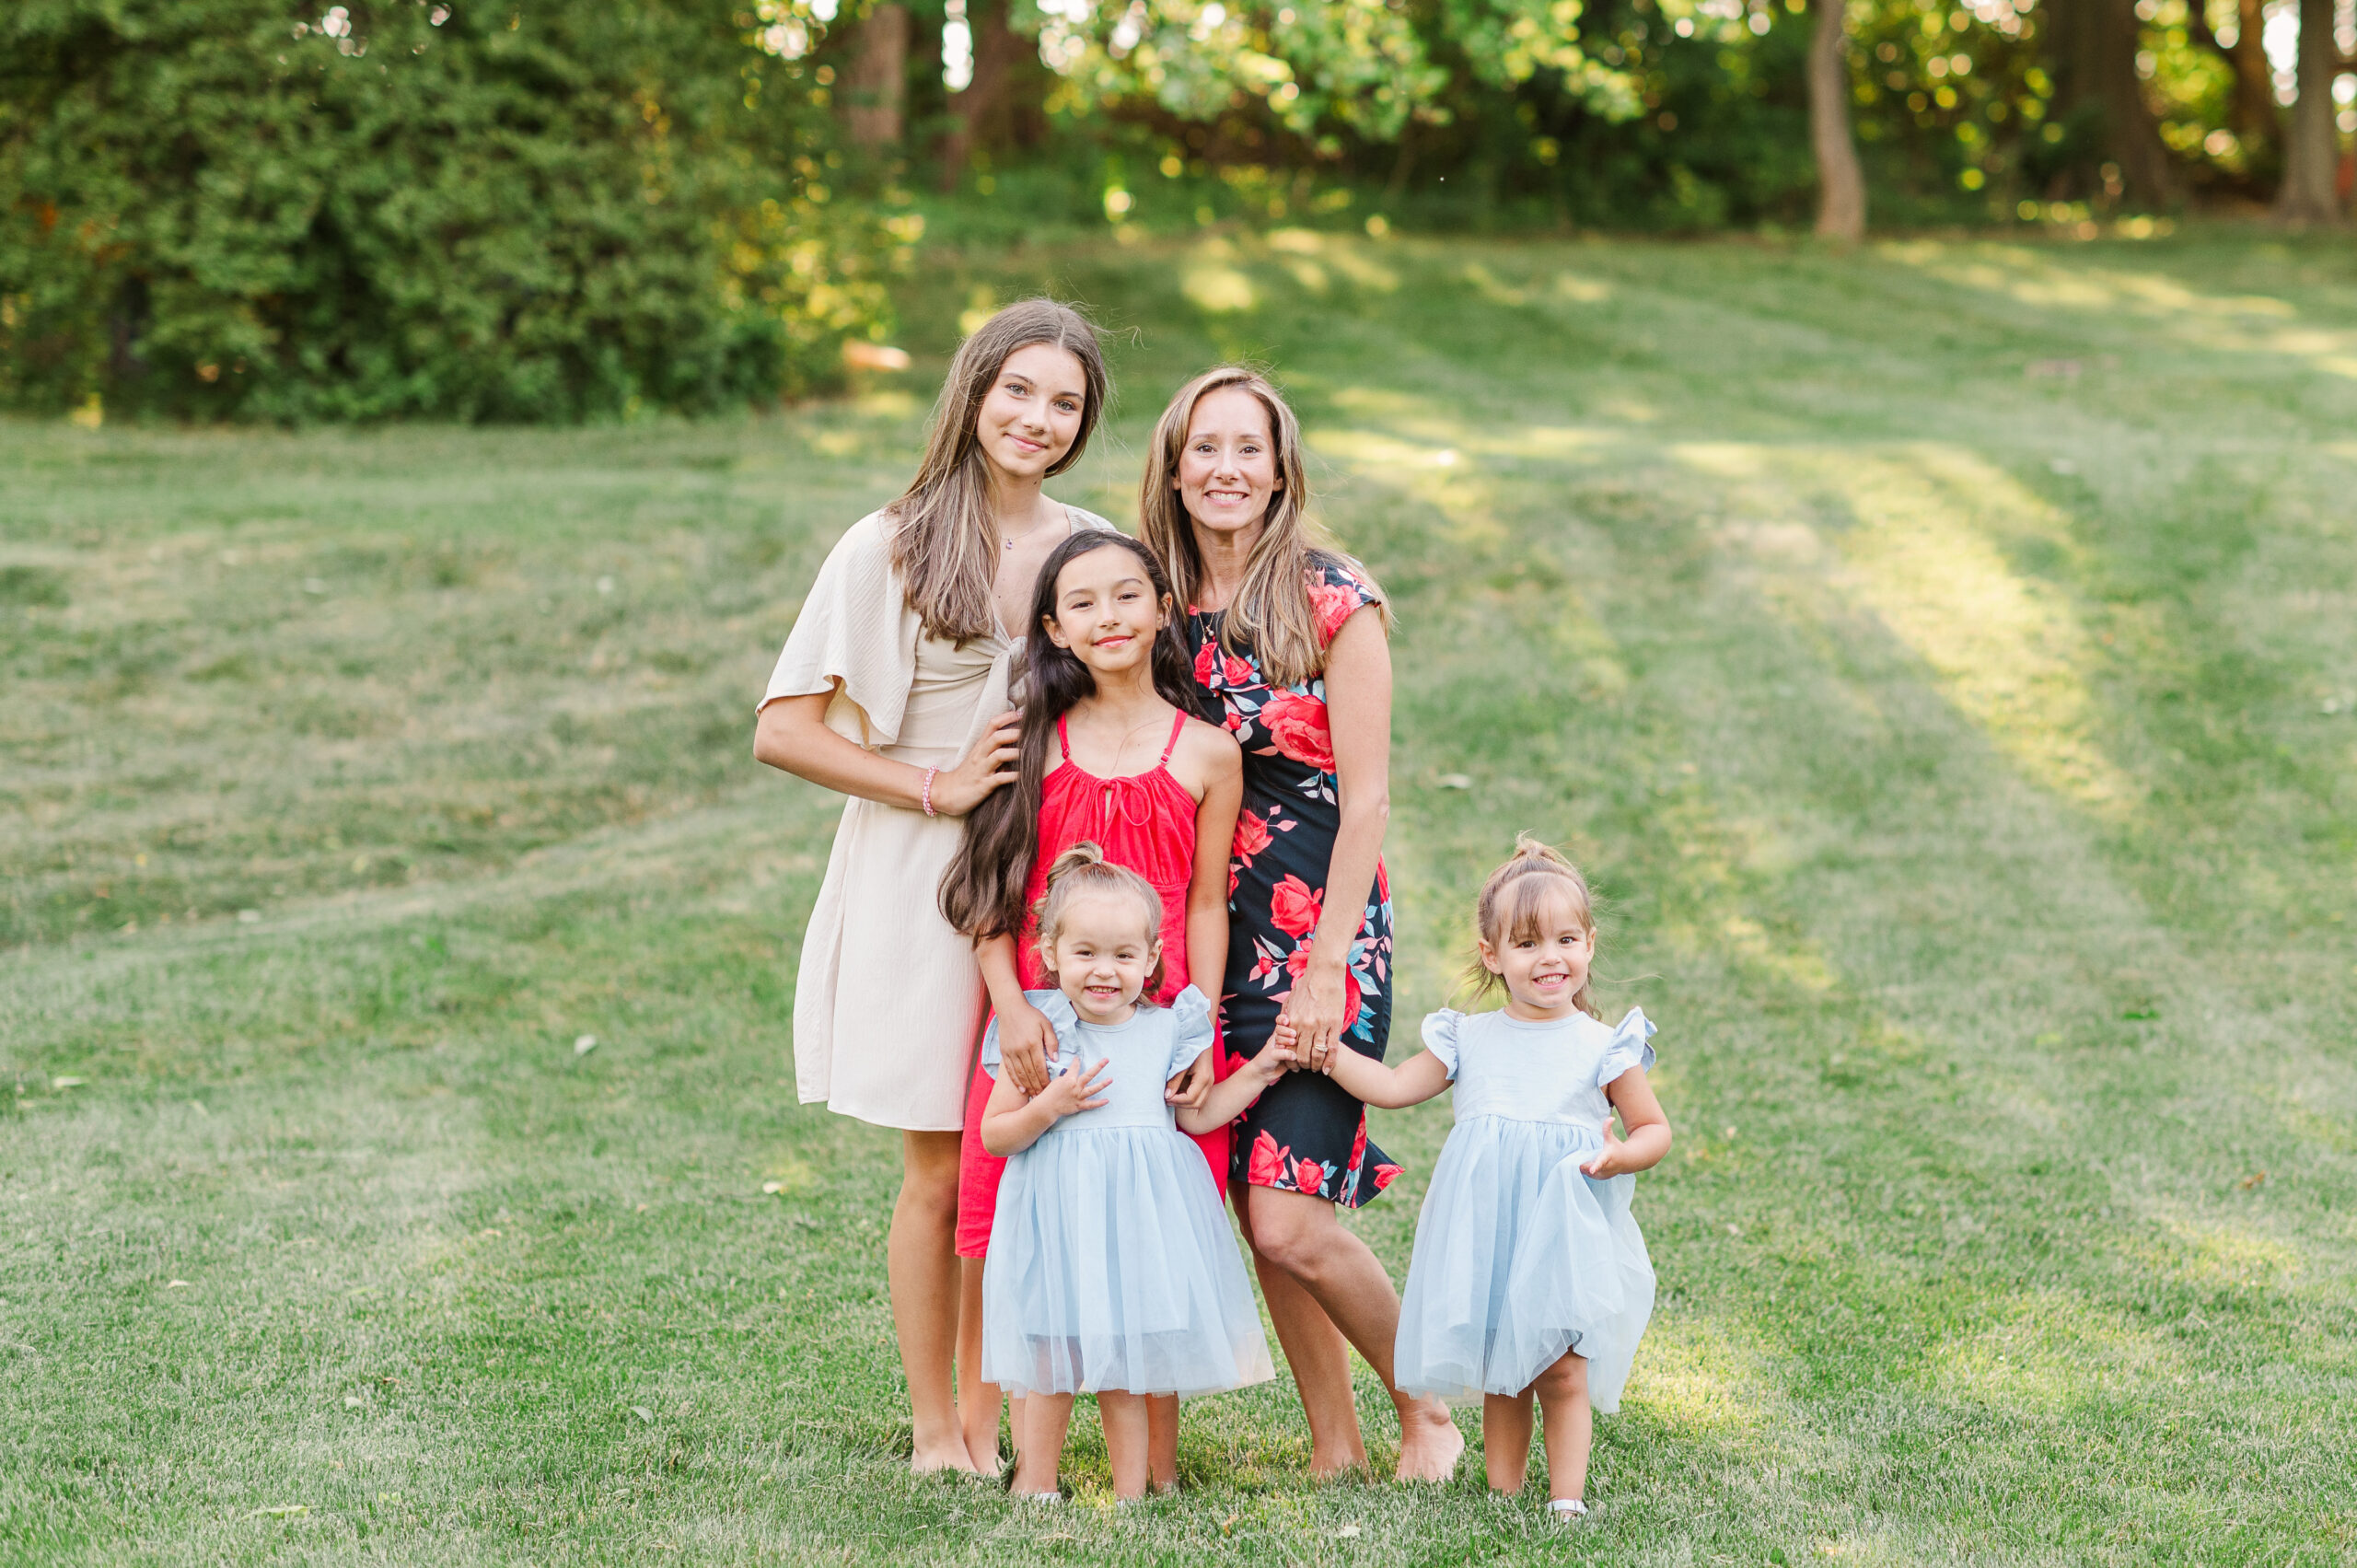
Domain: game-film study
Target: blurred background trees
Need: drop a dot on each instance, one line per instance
(521, 209)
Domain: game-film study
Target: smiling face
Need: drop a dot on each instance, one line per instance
(1103, 953)
(1107, 611)
(1032, 413)
(1543, 958)
(1227, 467)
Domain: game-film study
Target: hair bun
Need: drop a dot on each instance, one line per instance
(1083, 853)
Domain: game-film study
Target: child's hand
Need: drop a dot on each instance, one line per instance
(1286, 1036)
(1612, 1161)
(1069, 1094)
(1025, 1041)
(1274, 1060)
(1188, 1090)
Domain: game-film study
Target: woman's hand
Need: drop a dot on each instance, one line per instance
(1314, 1012)
(989, 764)
(1026, 1039)
(1069, 1094)
(1188, 1090)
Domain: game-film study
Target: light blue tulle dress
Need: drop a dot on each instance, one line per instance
(1111, 1266)
(1520, 1256)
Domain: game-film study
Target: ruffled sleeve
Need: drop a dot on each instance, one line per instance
(1337, 592)
(856, 638)
(1191, 1029)
(1442, 1031)
(1062, 1017)
(1627, 1048)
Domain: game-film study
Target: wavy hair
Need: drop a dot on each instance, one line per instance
(944, 546)
(1271, 615)
(982, 889)
(1515, 901)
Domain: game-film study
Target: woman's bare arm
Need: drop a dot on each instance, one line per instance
(791, 735)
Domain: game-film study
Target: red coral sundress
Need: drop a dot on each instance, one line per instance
(1146, 822)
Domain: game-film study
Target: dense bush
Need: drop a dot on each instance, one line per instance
(522, 209)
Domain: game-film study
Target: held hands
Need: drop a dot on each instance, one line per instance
(991, 763)
(1025, 1040)
(1314, 1013)
(1072, 1093)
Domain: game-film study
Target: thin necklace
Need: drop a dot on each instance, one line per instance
(1036, 528)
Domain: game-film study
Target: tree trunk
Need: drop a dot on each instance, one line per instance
(2094, 45)
(2312, 151)
(999, 50)
(2254, 117)
(1841, 183)
(876, 88)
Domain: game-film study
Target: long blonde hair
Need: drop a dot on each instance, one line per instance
(1514, 899)
(944, 544)
(1271, 615)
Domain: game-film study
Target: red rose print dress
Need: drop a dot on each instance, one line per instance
(1305, 1134)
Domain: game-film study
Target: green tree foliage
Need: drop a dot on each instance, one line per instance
(516, 210)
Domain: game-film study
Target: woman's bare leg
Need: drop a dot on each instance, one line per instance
(922, 1264)
(1299, 1233)
(977, 1402)
(1124, 1419)
(1039, 1441)
(1162, 1441)
(1317, 1355)
(1505, 1440)
(1562, 1395)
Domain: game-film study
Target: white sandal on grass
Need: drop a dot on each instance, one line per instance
(1567, 1508)
(1040, 1497)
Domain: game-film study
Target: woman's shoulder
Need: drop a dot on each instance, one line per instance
(1082, 517)
(864, 549)
(1339, 589)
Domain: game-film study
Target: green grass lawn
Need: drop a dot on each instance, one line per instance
(1944, 659)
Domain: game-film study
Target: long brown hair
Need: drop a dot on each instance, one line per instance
(944, 545)
(981, 891)
(1514, 899)
(1271, 615)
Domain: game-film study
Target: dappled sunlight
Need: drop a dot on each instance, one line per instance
(1581, 290)
(1708, 1376)
(2050, 1352)
(2217, 1254)
(2228, 323)
(1923, 553)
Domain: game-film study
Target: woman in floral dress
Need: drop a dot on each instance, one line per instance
(1289, 649)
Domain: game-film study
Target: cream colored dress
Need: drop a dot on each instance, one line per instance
(888, 1005)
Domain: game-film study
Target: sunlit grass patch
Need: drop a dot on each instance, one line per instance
(1949, 747)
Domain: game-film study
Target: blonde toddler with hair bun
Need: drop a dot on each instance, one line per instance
(1530, 1276)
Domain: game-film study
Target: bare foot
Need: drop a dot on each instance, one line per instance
(1430, 1444)
(1335, 1469)
(948, 1454)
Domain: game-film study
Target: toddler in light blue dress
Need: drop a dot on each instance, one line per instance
(1529, 1275)
(1112, 1269)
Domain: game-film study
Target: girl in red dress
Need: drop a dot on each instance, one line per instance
(1110, 755)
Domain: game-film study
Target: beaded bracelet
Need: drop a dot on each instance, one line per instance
(925, 795)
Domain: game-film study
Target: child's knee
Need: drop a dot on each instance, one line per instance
(1566, 1379)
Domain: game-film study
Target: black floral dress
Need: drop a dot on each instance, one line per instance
(1305, 1134)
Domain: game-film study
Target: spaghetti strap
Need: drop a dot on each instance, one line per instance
(1177, 726)
(1063, 742)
